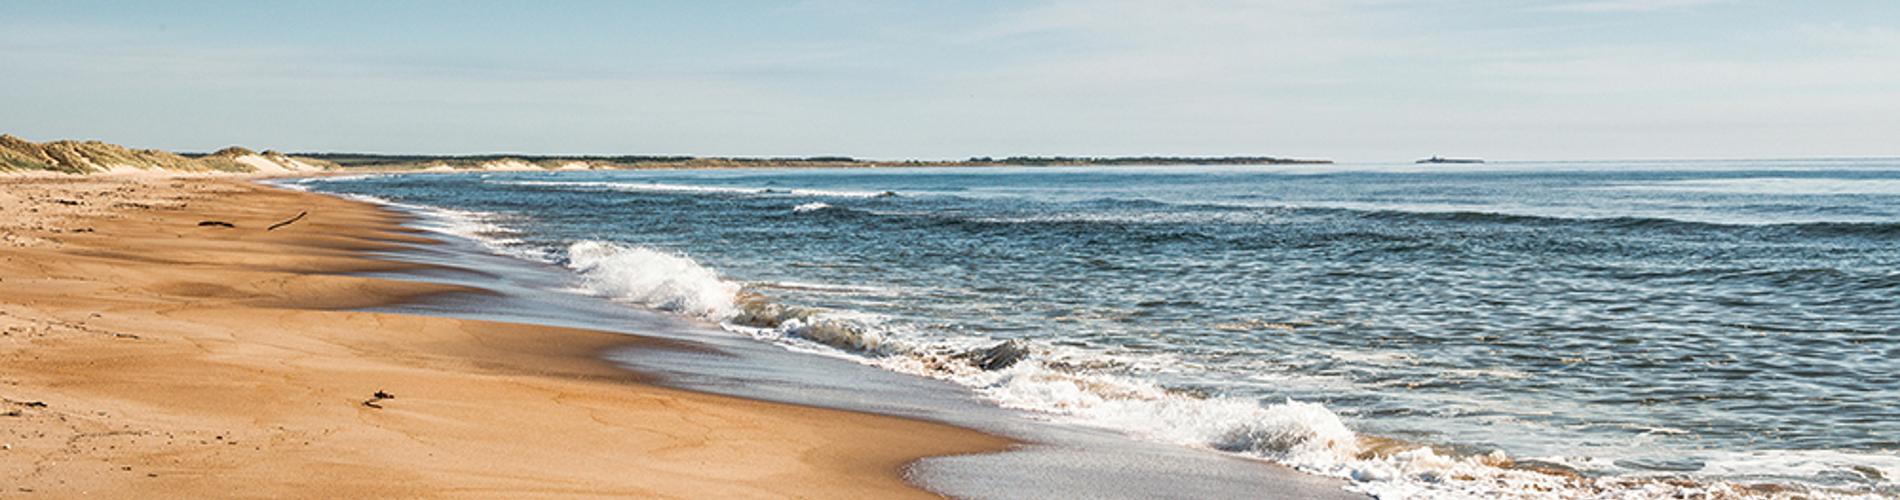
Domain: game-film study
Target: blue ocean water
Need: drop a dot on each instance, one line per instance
(1425, 331)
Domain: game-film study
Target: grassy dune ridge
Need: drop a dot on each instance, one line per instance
(88, 157)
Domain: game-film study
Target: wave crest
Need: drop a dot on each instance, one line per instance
(656, 279)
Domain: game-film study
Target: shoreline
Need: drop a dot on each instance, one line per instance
(145, 354)
(1052, 460)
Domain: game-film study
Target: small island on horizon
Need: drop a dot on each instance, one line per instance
(1441, 159)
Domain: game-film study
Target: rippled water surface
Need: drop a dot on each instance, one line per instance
(1722, 320)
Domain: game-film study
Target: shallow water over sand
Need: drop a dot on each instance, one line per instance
(1055, 461)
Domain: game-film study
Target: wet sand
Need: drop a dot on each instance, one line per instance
(147, 351)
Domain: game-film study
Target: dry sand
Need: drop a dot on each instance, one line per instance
(143, 355)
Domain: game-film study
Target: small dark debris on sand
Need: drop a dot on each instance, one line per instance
(379, 396)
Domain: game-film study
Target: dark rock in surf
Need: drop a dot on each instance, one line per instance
(999, 356)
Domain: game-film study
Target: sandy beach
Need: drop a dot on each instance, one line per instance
(160, 339)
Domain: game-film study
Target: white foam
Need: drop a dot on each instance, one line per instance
(1776, 186)
(303, 183)
(654, 187)
(1290, 432)
(1425, 474)
(293, 186)
(852, 331)
(1857, 467)
(483, 228)
(810, 207)
(795, 286)
(1382, 358)
(478, 226)
(655, 279)
(1312, 438)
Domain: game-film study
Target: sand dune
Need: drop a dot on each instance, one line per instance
(88, 157)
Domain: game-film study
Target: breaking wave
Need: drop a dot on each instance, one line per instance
(1011, 373)
(810, 207)
(663, 281)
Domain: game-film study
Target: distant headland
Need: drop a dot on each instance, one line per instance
(77, 157)
(349, 161)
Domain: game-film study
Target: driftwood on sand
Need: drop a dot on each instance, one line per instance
(273, 227)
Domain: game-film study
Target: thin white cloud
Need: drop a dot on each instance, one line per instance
(1875, 40)
(1202, 41)
(1630, 5)
(854, 7)
(1629, 72)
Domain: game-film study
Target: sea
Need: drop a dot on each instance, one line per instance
(1605, 329)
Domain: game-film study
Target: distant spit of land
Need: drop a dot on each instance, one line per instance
(77, 157)
(349, 161)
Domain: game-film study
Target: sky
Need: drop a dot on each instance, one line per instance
(1348, 80)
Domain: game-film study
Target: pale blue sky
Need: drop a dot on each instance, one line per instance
(1351, 80)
